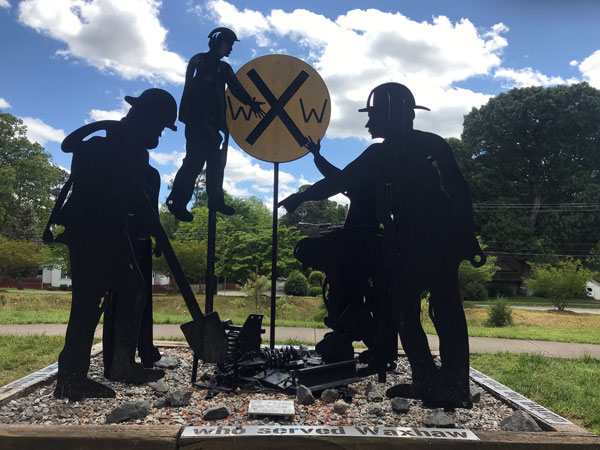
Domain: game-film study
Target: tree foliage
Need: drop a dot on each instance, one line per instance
(561, 283)
(254, 287)
(29, 181)
(18, 258)
(315, 213)
(531, 158)
(191, 256)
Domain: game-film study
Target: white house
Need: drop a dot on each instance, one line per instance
(593, 289)
(55, 276)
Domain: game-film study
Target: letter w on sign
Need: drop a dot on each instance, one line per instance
(277, 105)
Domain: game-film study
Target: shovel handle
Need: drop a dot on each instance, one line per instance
(186, 291)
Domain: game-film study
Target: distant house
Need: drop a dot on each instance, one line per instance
(511, 273)
(593, 289)
(53, 276)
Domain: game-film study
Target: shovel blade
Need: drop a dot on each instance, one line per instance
(207, 338)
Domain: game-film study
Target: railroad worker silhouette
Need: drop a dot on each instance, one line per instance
(108, 176)
(202, 109)
(424, 206)
(350, 259)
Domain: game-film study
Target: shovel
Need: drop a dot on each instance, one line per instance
(205, 333)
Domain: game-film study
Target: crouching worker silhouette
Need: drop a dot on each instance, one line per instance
(424, 207)
(202, 109)
(107, 181)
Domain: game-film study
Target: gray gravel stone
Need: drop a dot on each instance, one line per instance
(475, 394)
(440, 420)
(159, 386)
(166, 362)
(400, 405)
(179, 398)
(375, 409)
(220, 412)
(304, 395)
(374, 396)
(340, 407)
(330, 395)
(128, 411)
(519, 421)
(161, 403)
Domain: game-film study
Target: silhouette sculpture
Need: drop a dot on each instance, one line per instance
(202, 109)
(424, 207)
(107, 183)
(350, 259)
(141, 243)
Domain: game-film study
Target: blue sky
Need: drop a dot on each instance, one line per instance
(68, 62)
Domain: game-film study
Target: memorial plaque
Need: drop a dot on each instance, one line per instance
(271, 408)
(460, 434)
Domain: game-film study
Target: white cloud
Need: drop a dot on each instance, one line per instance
(364, 48)
(341, 199)
(114, 114)
(574, 63)
(527, 77)
(4, 104)
(590, 69)
(38, 131)
(121, 37)
(4, 4)
(164, 159)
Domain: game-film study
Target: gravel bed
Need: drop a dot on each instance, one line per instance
(40, 407)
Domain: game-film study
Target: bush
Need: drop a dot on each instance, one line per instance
(499, 314)
(475, 292)
(316, 278)
(560, 283)
(64, 287)
(254, 287)
(285, 308)
(315, 291)
(296, 284)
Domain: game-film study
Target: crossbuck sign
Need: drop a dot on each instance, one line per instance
(296, 105)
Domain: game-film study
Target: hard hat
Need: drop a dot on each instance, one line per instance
(157, 102)
(391, 94)
(223, 33)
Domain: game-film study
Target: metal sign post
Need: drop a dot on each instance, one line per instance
(296, 105)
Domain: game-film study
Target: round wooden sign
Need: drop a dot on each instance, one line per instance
(296, 105)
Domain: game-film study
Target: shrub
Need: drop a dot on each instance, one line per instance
(315, 291)
(475, 292)
(64, 287)
(296, 284)
(425, 306)
(316, 278)
(560, 283)
(499, 314)
(285, 308)
(254, 287)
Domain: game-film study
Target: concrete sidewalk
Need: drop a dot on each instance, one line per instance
(313, 335)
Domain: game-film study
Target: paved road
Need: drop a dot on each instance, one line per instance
(313, 335)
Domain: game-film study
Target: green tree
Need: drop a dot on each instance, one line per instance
(19, 258)
(530, 157)
(315, 213)
(29, 181)
(561, 283)
(191, 256)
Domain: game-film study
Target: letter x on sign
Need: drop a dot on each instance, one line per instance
(277, 105)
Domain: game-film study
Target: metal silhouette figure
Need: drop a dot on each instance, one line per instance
(350, 259)
(424, 207)
(202, 109)
(141, 244)
(107, 189)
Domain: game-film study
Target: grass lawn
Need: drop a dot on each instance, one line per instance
(306, 312)
(568, 387)
(546, 302)
(22, 355)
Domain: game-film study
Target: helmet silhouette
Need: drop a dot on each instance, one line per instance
(158, 103)
(390, 96)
